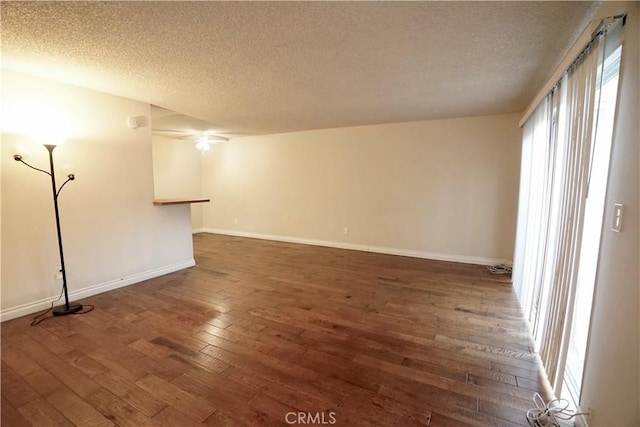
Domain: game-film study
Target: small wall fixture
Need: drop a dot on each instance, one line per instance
(133, 122)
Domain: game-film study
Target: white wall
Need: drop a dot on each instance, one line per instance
(112, 233)
(611, 385)
(177, 173)
(443, 189)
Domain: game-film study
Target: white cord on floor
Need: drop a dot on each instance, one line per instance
(547, 414)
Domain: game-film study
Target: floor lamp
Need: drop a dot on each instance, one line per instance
(68, 307)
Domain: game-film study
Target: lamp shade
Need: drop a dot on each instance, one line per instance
(49, 136)
(50, 130)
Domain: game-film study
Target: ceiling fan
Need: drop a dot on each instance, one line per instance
(203, 139)
(174, 125)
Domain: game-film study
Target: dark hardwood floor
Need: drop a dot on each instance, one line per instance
(269, 333)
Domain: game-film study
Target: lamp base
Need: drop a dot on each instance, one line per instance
(61, 310)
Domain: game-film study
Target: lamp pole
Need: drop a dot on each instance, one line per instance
(67, 308)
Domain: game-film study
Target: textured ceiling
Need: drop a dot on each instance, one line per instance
(267, 67)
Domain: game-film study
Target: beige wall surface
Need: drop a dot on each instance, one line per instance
(112, 233)
(177, 173)
(441, 189)
(611, 387)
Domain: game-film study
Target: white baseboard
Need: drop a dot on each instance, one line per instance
(197, 230)
(43, 304)
(360, 247)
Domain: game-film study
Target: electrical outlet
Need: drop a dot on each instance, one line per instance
(58, 275)
(616, 224)
(235, 221)
(345, 230)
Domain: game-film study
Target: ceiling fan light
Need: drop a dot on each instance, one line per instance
(202, 143)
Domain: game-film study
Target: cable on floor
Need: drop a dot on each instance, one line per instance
(39, 317)
(91, 308)
(548, 414)
(499, 269)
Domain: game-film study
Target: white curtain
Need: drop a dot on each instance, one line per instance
(556, 151)
(573, 135)
(533, 210)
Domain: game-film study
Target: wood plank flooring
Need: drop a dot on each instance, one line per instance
(265, 333)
